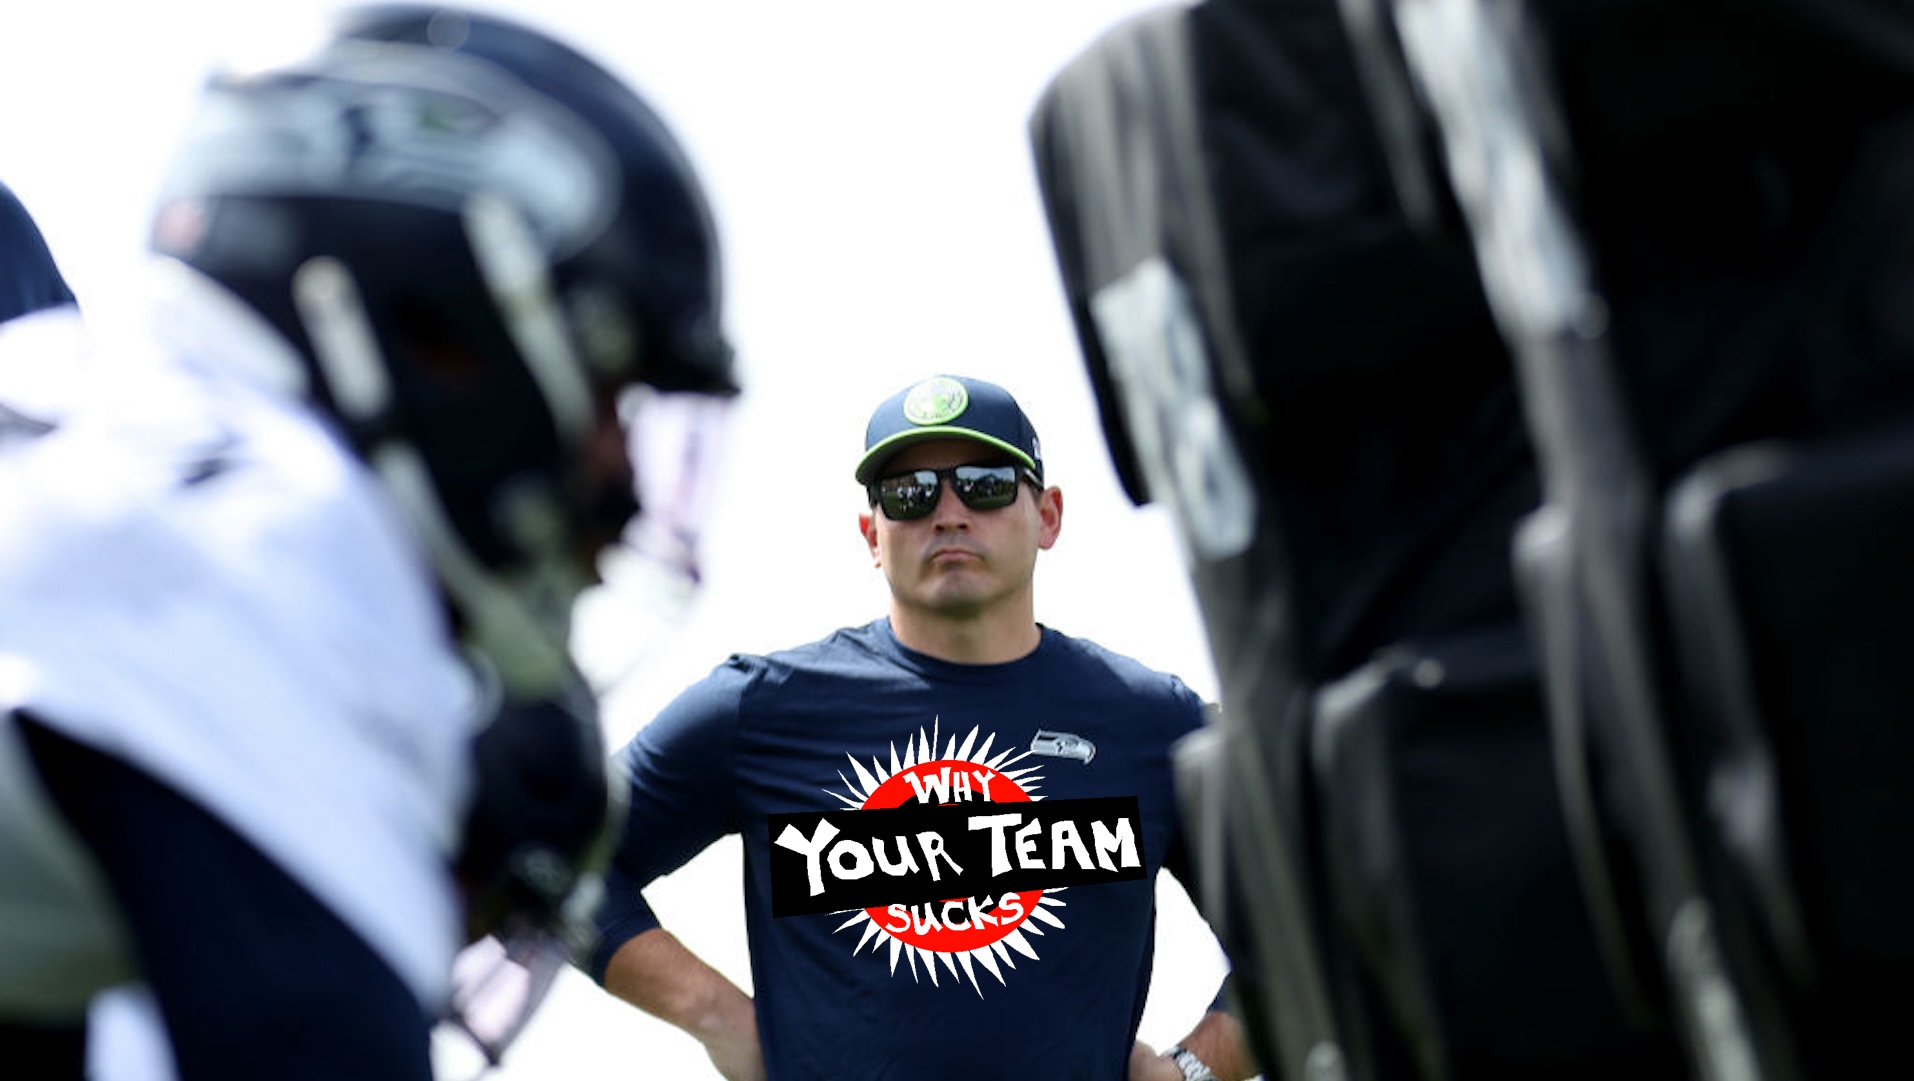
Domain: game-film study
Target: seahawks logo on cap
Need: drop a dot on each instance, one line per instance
(936, 401)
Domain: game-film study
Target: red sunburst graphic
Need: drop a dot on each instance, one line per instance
(960, 933)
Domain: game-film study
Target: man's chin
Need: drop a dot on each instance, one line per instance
(954, 597)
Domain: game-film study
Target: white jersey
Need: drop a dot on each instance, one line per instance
(197, 577)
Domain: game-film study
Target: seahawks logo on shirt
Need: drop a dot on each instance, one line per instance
(1063, 745)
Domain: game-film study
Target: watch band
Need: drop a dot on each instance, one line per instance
(1193, 1068)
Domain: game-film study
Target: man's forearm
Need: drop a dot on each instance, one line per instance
(657, 974)
(1220, 1042)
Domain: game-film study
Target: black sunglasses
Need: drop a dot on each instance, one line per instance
(905, 496)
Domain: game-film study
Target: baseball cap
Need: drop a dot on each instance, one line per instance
(949, 407)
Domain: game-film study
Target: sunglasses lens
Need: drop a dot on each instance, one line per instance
(985, 487)
(914, 494)
(908, 495)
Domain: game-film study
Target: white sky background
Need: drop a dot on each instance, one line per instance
(870, 170)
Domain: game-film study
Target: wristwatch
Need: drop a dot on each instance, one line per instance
(1192, 1067)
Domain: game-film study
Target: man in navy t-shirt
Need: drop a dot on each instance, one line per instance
(952, 817)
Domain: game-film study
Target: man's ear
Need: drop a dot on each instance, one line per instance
(1050, 515)
(867, 525)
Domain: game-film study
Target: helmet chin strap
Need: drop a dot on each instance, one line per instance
(520, 623)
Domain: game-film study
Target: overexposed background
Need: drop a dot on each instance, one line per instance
(870, 169)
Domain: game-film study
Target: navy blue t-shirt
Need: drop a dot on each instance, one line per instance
(1030, 982)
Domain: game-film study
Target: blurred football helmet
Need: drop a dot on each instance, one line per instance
(483, 246)
(476, 238)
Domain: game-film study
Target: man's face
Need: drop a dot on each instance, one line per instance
(956, 562)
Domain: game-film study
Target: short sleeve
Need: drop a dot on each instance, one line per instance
(678, 779)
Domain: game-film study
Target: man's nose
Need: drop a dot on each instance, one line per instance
(950, 512)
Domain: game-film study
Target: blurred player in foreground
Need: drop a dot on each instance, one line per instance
(287, 713)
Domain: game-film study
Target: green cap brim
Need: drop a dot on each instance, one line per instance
(875, 457)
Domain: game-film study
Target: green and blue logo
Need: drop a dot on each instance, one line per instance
(936, 401)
